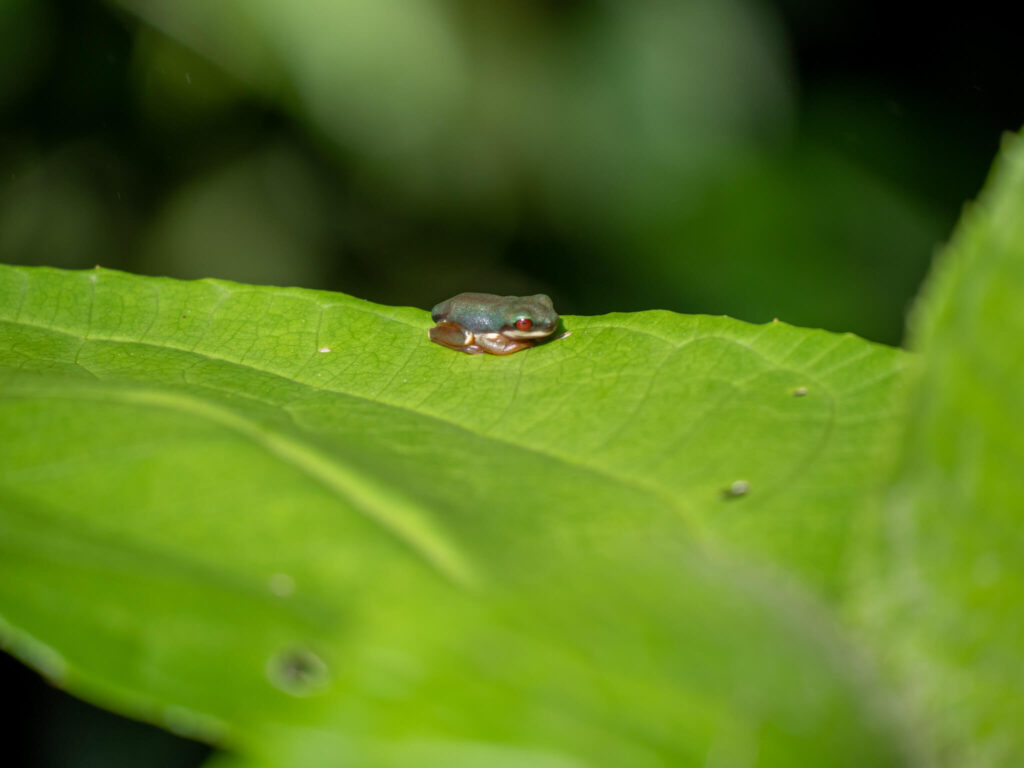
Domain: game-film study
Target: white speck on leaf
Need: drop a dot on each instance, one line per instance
(324, 350)
(738, 488)
(281, 584)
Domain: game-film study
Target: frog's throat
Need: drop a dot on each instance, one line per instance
(533, 333)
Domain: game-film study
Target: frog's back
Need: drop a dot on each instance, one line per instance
(441, 310)
(470, 310)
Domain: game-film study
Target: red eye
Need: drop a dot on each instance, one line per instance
(524, 323)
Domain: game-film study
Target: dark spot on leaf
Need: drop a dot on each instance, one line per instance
(298, 671)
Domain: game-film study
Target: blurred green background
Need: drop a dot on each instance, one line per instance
(760, 159)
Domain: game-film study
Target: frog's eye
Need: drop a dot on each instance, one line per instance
(524, 323)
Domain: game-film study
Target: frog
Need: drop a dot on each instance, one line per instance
(499, 325)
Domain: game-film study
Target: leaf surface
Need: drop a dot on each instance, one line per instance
(283, 520)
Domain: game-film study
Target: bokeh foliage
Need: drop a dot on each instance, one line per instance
(620, 156)
(942, 585)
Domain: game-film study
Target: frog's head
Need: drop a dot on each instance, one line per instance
(529, 317)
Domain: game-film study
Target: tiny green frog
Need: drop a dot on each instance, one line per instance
(482, 322)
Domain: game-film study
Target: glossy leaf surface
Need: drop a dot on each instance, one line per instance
(283, 520)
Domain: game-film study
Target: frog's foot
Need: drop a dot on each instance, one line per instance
(498, 344)
(454, 336)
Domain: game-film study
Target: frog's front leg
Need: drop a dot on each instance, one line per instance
(499, 344)
(454, 336)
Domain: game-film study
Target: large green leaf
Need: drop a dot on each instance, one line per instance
(284, 521)
(944, 589)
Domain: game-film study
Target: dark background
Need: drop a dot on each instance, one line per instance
(773, 159)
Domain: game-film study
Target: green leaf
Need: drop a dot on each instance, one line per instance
(948, 575)
(283, 521)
